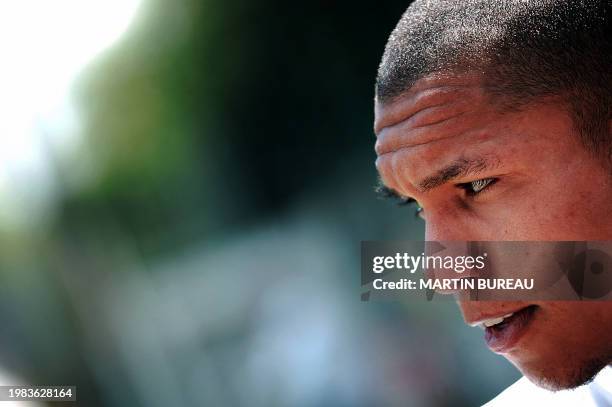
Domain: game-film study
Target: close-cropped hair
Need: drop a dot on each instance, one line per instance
(526, 50)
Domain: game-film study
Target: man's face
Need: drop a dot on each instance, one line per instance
(481, 173)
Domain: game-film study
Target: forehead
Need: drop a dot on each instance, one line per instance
(442, 119)
(433, 89)
(426, 111)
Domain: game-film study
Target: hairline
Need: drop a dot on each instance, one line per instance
(505, 101)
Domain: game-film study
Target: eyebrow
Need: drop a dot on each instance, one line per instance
(458, 168)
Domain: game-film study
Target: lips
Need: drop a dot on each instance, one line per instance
(502, 333)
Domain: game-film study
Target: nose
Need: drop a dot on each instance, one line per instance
(453, 237)
(445, 224)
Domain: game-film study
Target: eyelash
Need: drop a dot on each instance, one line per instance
(471, 188)
(385, 192)
(417, 210)
(408, 201)
(478, 186)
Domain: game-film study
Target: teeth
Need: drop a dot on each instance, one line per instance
(494, 321)
(490, 322)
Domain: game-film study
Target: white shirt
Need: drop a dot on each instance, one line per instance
(523, 393)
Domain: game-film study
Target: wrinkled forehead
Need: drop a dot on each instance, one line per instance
(434, 108)
(439, 120)
(430, 97)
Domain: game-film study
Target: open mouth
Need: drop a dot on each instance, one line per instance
(502, 333)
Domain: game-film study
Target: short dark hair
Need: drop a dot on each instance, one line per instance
(526, 49)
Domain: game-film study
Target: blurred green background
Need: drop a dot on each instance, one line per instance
(198, 244)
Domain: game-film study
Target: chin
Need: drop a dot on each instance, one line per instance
(555, 378)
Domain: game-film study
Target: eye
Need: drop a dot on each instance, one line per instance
(418, 210)
(410, 202)
(386, 192)
(475, 187)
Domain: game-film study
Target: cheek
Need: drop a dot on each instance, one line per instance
(541, 213)
(588, 322)
(577, 215)
(518, 218)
